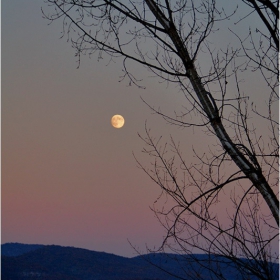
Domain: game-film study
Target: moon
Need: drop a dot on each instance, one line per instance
(117, 121)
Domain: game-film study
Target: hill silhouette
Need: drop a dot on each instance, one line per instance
(51, 262)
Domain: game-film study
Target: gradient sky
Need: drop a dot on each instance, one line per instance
(68, 177)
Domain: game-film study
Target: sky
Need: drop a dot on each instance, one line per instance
(68, 177)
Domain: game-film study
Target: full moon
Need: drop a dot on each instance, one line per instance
(117, 121)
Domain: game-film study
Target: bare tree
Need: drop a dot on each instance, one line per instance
(171, 39)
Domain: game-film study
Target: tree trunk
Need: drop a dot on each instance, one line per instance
(208, 104)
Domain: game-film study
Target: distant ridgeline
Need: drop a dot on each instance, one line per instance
(50, 262)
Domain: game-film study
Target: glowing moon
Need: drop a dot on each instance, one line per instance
(117, 121)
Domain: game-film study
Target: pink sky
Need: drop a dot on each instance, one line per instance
(68, 177)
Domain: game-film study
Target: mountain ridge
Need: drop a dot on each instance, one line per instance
(53, 262)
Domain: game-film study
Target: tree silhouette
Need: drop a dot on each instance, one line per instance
(171, 39)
